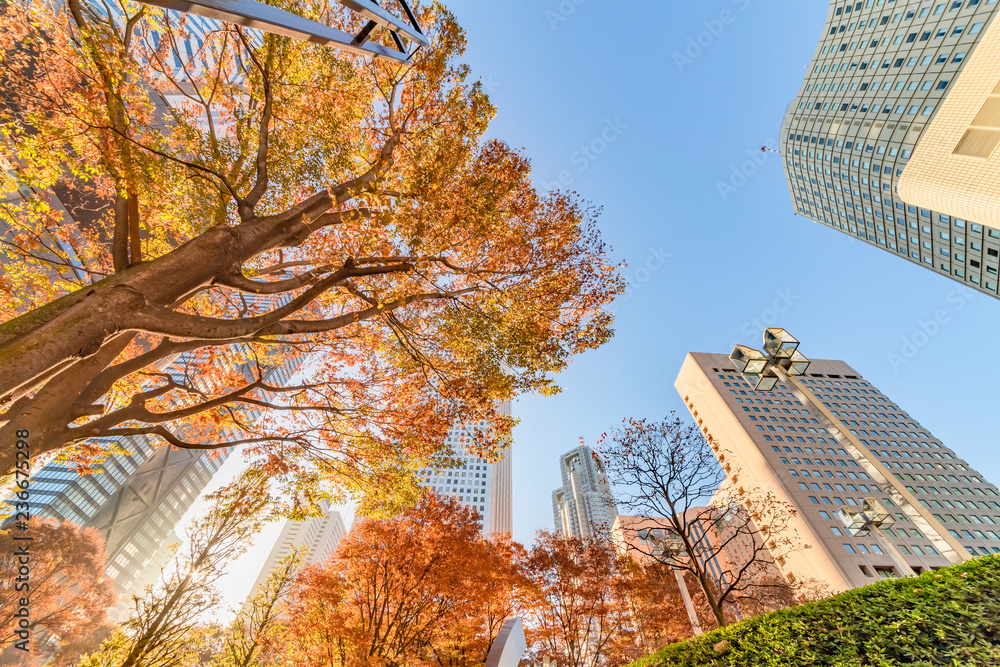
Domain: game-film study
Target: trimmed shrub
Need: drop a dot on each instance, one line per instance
(949, 617)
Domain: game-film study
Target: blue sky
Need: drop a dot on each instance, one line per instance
(665, 123)
(666, 119)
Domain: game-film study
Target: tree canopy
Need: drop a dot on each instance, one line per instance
(424, 588)
(288, 205)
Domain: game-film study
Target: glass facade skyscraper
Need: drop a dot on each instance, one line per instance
(583, 506)
(135, 499)
(875, 82)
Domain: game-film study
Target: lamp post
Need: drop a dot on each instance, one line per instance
(667, 543)
(782, 361)
(254, 14)
(872, 520)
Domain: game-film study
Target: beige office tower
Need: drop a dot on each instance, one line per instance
(880, 79)
(829, 440)
(320, 535)
(483, 486)
(502, 495)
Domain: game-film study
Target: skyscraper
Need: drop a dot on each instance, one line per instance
(485, 487)
(583, 506)
(136, 497)
(135, 500)
(320, 535)
(138, 520)
(878, 77)
(842, 443)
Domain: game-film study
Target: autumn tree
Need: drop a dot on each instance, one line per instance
(159, 630)
(69, 593)
(292, 202)
(667, 473)
(573, 609)
(420, 589)
(492, 596)
(69, 653)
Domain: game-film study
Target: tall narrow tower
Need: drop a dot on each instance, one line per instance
(483, 486)
(583, 507)
(319, 535)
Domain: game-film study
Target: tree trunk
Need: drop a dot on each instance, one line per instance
(706, 588)
(44, 415)
(78, 325)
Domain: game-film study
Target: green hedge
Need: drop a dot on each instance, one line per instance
(949, 617)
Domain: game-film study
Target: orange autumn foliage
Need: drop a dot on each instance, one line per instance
(69, 594)
(424, 588)
(297, 206)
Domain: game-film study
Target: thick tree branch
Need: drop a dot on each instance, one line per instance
(260, 185)
(156, 319)
(172, 439)
(319, 326)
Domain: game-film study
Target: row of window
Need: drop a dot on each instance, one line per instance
(958, 504)
(896, 434)
(938, 9)
(862, 548)
(876, 107)
(933, 490)
(967, 518)
(911, 455)
(916, 465)
(922, 36)
(813, 486)
(974, 535)
(846, 418)
(940, 478)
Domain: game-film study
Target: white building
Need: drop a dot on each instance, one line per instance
(320, 535)
(485, 487)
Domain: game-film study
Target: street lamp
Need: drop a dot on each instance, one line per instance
(781, 350)
(873, 518)
(782, 361)
(668, 543)
(254, 14)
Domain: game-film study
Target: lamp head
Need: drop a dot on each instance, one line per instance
(878, 514)
(856, 523)
(779, 344)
